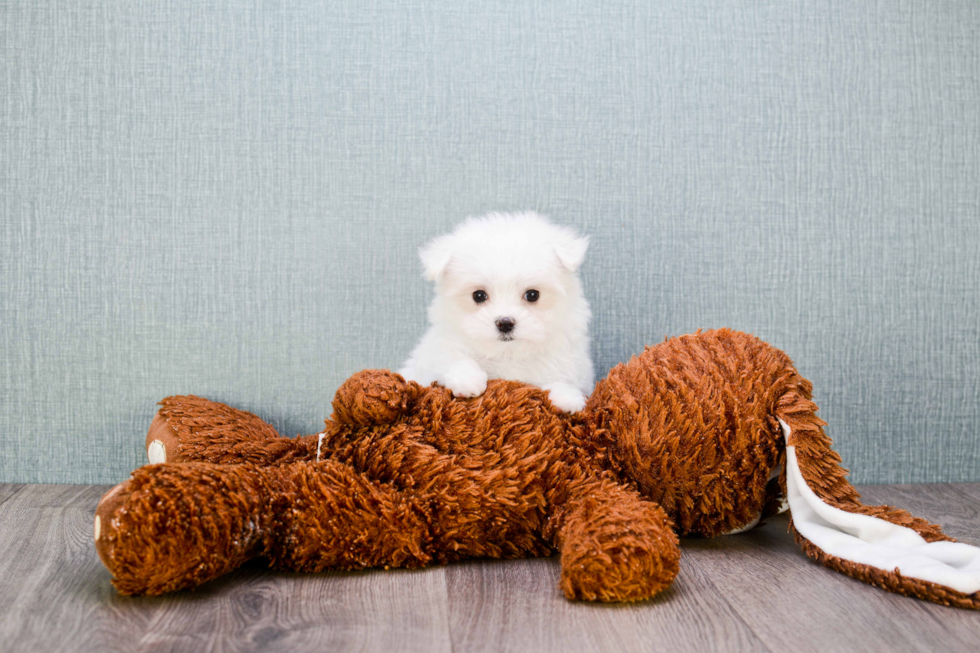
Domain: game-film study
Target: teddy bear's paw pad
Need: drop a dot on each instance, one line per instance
(157, 452)
(161, 441)
(105, 514)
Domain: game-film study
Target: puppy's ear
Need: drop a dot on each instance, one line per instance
(436, 256)
(571, 253)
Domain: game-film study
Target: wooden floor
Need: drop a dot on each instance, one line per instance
(749, 592)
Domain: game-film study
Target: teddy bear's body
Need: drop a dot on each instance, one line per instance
(686, 438)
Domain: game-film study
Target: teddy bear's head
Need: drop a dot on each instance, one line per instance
(671, 416)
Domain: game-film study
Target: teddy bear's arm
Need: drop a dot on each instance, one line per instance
(614, 544)
(193, 429)
(374, 398)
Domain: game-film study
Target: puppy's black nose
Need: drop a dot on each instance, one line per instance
(505, 324)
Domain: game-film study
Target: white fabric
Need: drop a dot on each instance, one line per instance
(875, 542)
(319, 442)
(752, 524)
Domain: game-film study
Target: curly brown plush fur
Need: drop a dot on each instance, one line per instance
(682, 439)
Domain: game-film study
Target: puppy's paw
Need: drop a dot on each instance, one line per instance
(565, 397)
(466, 379)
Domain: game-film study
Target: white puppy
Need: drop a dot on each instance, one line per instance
(508, 305)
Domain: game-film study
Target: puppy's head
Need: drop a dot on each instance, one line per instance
(508, 282)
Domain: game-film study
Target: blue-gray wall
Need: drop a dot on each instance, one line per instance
(225, 198)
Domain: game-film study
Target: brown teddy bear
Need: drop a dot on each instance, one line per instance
(701, 435)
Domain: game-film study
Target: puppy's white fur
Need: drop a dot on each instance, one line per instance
(506, 255)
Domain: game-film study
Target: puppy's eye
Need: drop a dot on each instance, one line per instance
(480, 296)
(532, 295)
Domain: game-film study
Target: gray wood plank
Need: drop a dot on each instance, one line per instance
(256, 609)
(954, 506)
(515, 605)
(82, 497)
(748, 592)
(971, 490)
(8, 490)
(54, 592)
(55, 595)
(795, 604)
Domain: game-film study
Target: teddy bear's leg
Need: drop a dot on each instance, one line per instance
(193, 429)
(615, 545)
(175, 526)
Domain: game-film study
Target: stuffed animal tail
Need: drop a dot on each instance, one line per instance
(880, 545)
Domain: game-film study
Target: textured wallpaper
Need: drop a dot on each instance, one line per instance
(224, 198)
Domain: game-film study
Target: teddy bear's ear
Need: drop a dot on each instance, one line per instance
(572, 252)
(436, 256)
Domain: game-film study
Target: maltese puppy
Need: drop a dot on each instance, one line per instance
(508, 305)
